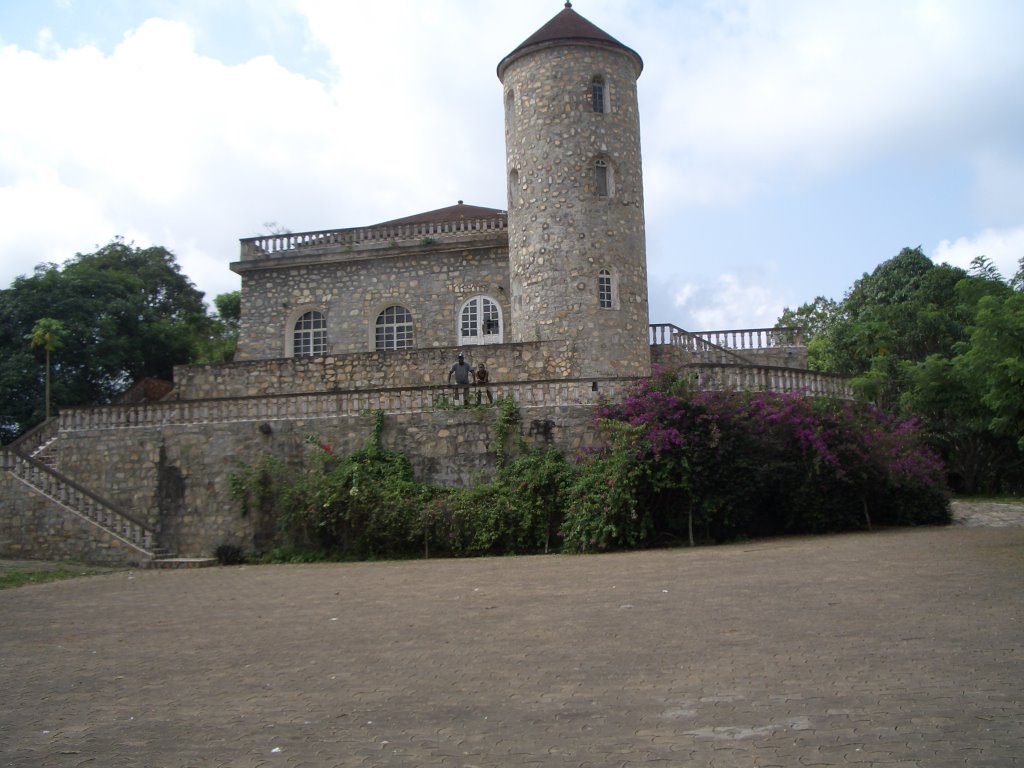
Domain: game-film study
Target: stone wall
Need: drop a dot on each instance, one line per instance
(175, 478)
(532, 361)
(431, 280)
(667, 355)
(36, 528)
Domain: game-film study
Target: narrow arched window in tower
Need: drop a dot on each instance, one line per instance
(604, 289)
(309, 335)
(603, 178)
(513, 187)
(480, 321)
(597, 94)
(394, 329)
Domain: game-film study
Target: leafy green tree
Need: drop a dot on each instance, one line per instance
(222, 340)
(942, 344)
(127, 313)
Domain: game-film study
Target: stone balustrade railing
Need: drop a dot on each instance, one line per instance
(78, 500)
(37, 437)
(738, 339)
(324, 405)
(321, 405)
(267, 245)
(769, 379)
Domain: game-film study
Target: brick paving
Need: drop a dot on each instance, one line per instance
(902, 649)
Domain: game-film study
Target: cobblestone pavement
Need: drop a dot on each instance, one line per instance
(902, 649)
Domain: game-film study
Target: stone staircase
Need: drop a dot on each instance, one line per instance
(32, 461)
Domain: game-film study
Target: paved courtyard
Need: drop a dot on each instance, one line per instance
(902, 649)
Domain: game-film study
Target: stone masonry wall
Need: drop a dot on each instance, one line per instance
(35, 528)
(176, 478)
(532, 361)
(432, 281)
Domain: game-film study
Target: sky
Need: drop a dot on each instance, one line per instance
(789, 146)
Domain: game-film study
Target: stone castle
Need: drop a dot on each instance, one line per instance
(550, 294)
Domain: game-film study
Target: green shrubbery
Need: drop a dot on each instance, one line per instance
(679, 467)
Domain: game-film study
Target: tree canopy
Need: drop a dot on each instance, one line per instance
(126, 312)
(939, 343)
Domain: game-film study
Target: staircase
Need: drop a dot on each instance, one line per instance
(31, 460)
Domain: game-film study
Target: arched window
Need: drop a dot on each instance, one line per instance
(598, 94)
(309, 335)
(604, 289)
(603, 177)
(480, 321)
(394, 329)
(513, 187)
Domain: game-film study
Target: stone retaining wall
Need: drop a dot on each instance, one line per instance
(37, 528)
(175, 478)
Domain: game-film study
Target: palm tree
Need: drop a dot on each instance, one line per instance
(47, 334)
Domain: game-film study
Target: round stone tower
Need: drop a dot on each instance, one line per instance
(577, 255)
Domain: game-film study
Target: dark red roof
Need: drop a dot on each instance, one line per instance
(451, 213)
(567, 27)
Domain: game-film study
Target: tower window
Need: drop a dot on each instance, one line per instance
(602, 178)
(309, 335)
(394, 329)
(604, 289)
(597, 92)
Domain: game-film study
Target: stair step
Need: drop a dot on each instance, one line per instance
(181, 562)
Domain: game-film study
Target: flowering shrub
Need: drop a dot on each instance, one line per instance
(678, 466)
(716, 466)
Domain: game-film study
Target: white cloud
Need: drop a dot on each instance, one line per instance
(815, 88)
(1004, 248)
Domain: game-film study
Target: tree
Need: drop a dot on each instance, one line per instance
(941, 344)
(222, 340)
(47, 334)
(127, 313)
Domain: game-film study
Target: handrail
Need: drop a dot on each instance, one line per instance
(111, 519)
(266, 245)
(739, 338)
(35, 438)
(766, 378)
(329, 404)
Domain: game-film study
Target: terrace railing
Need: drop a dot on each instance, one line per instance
(736, 340)
(269, 245)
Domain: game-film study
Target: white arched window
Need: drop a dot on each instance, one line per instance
(394, 329)
(480, 321)
(605, 298)
(309, 335)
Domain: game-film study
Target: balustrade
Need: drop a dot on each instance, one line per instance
(268, 245)
(736, 339)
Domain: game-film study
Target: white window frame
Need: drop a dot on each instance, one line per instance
(471, 323)
(606, 289)
(394, 333)
(311, 340)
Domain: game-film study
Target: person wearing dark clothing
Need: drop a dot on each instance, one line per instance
(463, 373)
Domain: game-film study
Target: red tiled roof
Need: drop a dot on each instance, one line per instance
(567, 26)
(451, 213)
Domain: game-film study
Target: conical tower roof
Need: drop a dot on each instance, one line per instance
(567, 27)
